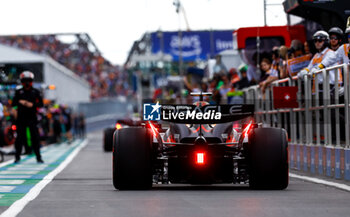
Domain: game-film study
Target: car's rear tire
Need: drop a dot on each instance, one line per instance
(108, 139)
(268, 159)
(132, 161)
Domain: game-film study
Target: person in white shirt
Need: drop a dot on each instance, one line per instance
(325, 57)
(335, 38)
(343, 51)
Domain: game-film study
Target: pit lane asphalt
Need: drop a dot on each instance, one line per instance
(84, 188)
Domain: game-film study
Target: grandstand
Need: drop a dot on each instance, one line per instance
(80, 55)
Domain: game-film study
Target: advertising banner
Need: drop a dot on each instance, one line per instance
(298, 158)
(337, 163)
(194, 45)
(291, 157)
(328, 161)
(296, 64)
(196, 114)
(312, 165)
(347, 164)
(320, 160)
(305, 154)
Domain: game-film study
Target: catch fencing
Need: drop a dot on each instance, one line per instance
(318, 128)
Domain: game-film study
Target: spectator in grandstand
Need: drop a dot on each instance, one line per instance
(325, 57)
(343, 52)
(271, 74)
(100, 74)
(335, 37)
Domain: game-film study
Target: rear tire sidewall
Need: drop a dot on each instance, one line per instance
(132, 160)
(268, 159)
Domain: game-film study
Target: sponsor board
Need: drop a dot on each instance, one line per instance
(197, 114)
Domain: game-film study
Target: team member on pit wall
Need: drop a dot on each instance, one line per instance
(26, 100)
(343, 54)
(325, 57)
(336, 38)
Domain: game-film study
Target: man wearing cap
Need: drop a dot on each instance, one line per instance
(343, 54)
(335, 37)
(26, 100)
(325, 57)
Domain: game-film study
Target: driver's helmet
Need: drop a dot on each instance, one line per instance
(26, 76)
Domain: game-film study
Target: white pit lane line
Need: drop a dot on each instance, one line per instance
(321, 181)
(19, 205)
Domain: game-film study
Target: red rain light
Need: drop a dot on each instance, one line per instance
(118, 126)
(200, 158)
(14, 127)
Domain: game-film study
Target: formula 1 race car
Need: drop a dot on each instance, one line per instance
(121, 123)
(225, 147)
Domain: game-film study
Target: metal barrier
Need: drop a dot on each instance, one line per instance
(319, 127)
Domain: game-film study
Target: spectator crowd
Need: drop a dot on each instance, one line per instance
(105, 79)
(326, 49)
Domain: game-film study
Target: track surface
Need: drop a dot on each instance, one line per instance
(85, 188)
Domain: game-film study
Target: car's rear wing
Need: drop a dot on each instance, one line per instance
(208, 114)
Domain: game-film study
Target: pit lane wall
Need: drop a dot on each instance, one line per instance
(318, 128)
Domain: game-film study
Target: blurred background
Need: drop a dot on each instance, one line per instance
(96, 61)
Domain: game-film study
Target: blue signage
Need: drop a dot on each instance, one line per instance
(347, 164)
(320, 160)
(291, 157)
(305, 158)
(194, 45)
(337, 170)
(151, 111)
(328, 161)
(312, 164)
